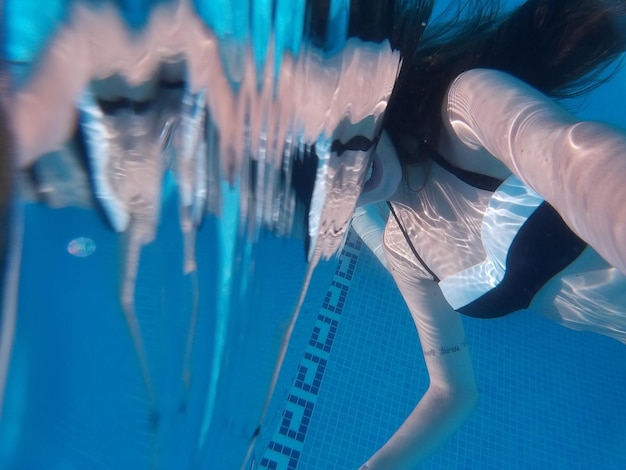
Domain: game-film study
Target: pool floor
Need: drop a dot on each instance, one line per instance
(549, 397)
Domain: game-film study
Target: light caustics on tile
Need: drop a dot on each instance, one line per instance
(230, 98)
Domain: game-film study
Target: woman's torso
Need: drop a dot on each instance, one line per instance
(443, 216)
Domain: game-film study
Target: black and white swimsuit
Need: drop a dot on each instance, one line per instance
(507, 241)
(496, 247)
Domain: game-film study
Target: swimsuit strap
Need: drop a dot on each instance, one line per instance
(408, 240)
(477, 180)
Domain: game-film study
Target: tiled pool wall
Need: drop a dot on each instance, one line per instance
(549, 397)
(285, 447)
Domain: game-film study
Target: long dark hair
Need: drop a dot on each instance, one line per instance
(563, 48)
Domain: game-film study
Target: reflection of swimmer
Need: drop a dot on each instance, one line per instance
(5, 186)
(466, 232)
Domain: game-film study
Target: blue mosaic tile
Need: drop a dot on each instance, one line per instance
(311, 370)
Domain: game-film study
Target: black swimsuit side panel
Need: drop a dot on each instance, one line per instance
(543, 247)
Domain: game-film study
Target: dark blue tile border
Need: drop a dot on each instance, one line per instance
(285, 448)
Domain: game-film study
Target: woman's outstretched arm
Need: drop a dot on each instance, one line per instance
(578, 167)
(452, 394)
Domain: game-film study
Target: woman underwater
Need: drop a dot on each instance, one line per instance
(500, 200)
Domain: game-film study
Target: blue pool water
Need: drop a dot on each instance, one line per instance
(549, 397)
(75, 398)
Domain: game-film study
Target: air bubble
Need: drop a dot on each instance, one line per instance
(81, 247)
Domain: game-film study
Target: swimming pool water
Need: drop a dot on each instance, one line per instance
(549, 397)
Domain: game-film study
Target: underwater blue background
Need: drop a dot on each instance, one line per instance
(550, 397)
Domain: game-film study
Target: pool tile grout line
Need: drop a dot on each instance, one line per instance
(285, 447)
